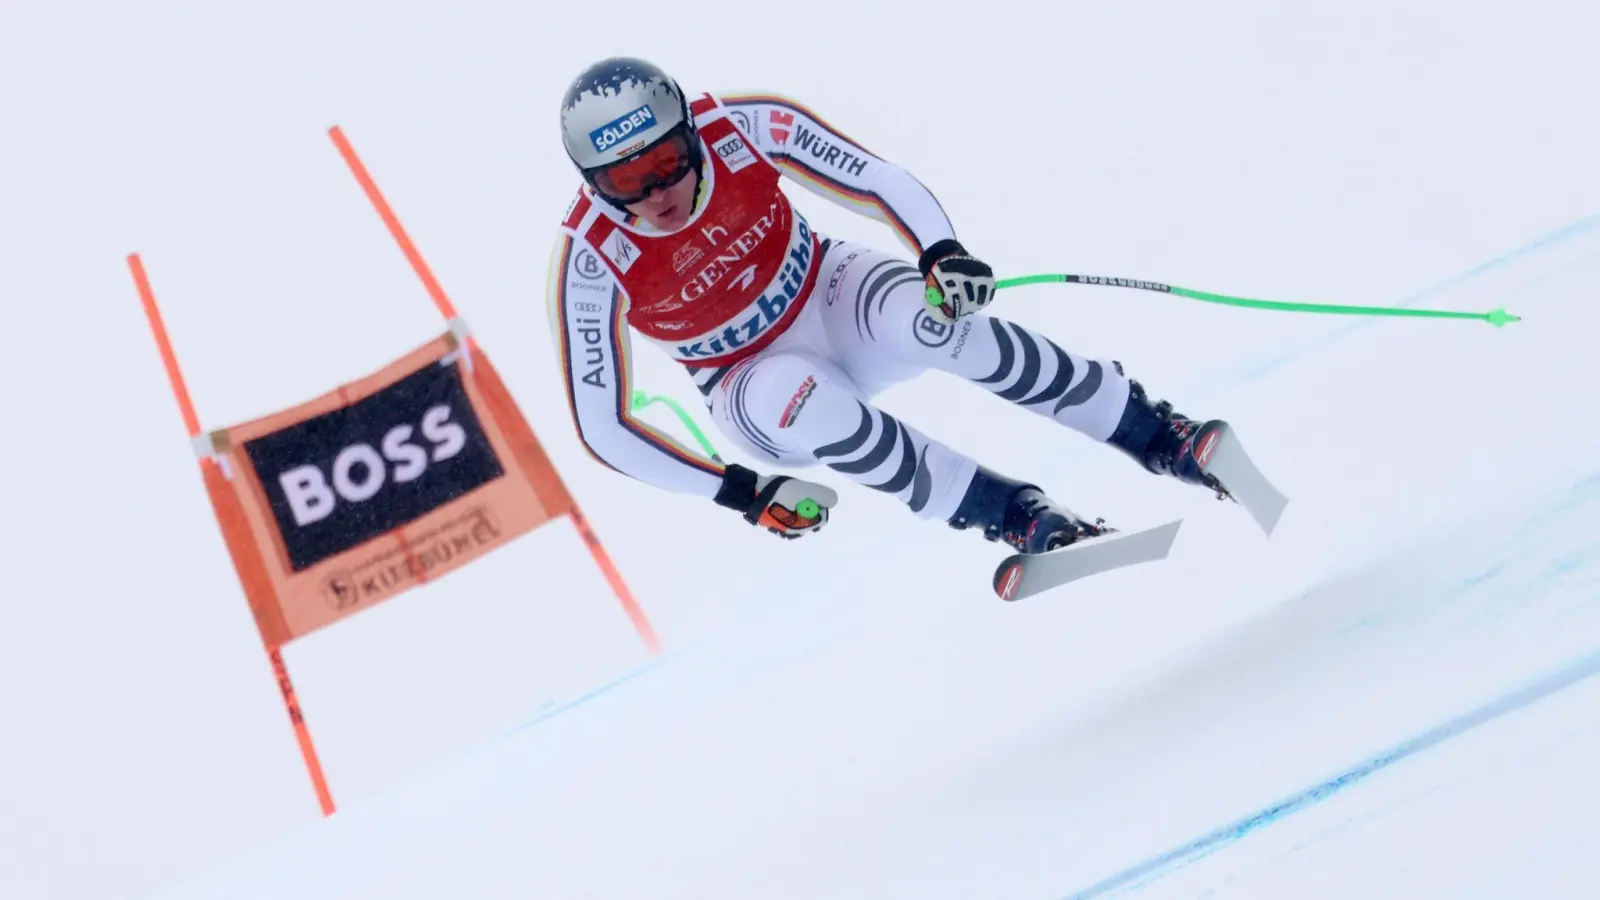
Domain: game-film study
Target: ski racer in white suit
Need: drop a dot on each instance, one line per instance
(682, 234)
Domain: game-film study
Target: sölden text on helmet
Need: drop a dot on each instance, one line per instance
(617, 107)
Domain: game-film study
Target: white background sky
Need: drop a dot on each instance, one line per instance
(1349, 153)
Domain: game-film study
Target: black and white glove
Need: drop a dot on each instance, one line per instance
(787, 507)
(958, 284)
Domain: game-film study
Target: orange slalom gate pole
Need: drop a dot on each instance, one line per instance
(191, 421)
(636, 615)
(635, 612)
(301, 732)
(370, 187)
(169, 359)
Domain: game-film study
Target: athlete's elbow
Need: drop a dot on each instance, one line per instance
(599, 452)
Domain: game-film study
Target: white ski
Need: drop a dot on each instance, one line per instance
(1023, 575)
(1222, 454)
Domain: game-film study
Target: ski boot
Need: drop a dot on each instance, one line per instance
(1166, 442)
(1020, 515)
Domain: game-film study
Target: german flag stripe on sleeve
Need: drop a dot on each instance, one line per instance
(640, 429)
(560, 271)
(865, 202)
(833, 165)
(592, 342)
(789, 103)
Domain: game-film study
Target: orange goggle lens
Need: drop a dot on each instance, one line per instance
(660, 166)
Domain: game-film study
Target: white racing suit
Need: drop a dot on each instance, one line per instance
(806, 397)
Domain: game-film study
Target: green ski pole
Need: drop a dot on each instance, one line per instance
(1497, 317)
(642, 400)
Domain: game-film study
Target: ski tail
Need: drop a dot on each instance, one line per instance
(1221, 455)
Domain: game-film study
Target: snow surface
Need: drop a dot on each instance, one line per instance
(1394, 696)
(1418, 722)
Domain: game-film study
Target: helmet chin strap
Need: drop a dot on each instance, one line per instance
(699, 184)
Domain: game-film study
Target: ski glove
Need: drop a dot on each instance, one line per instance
(787, 507)
(958, 284)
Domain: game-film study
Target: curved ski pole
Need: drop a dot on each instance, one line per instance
(807, 508)
(642, 400)
(1497, 317)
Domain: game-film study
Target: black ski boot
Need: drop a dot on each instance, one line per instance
(1019, 514)
(1166, 442)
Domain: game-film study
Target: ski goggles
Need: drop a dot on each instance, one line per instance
(660, 165)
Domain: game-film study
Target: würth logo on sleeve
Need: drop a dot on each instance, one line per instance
(781, 123)
(828, 153)
(340, 479)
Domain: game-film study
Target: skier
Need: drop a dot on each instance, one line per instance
(682, 233)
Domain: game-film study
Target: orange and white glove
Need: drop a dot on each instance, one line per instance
(785, 506)
(957, 284)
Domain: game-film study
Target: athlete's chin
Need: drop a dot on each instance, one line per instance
(671, 219)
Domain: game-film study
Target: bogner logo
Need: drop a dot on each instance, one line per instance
(617, 130)
(728, 256)
(767, 308)
(931, 332)
(589, 265)
(342, 478)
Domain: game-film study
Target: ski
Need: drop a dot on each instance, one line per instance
(1024, 575)
(1222, 455)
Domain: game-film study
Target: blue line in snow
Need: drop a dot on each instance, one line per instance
(550, 712)
(1165, 863)
(1555, 237)
(1564, 233)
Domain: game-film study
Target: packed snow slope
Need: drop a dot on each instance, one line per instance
(1380, 700)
